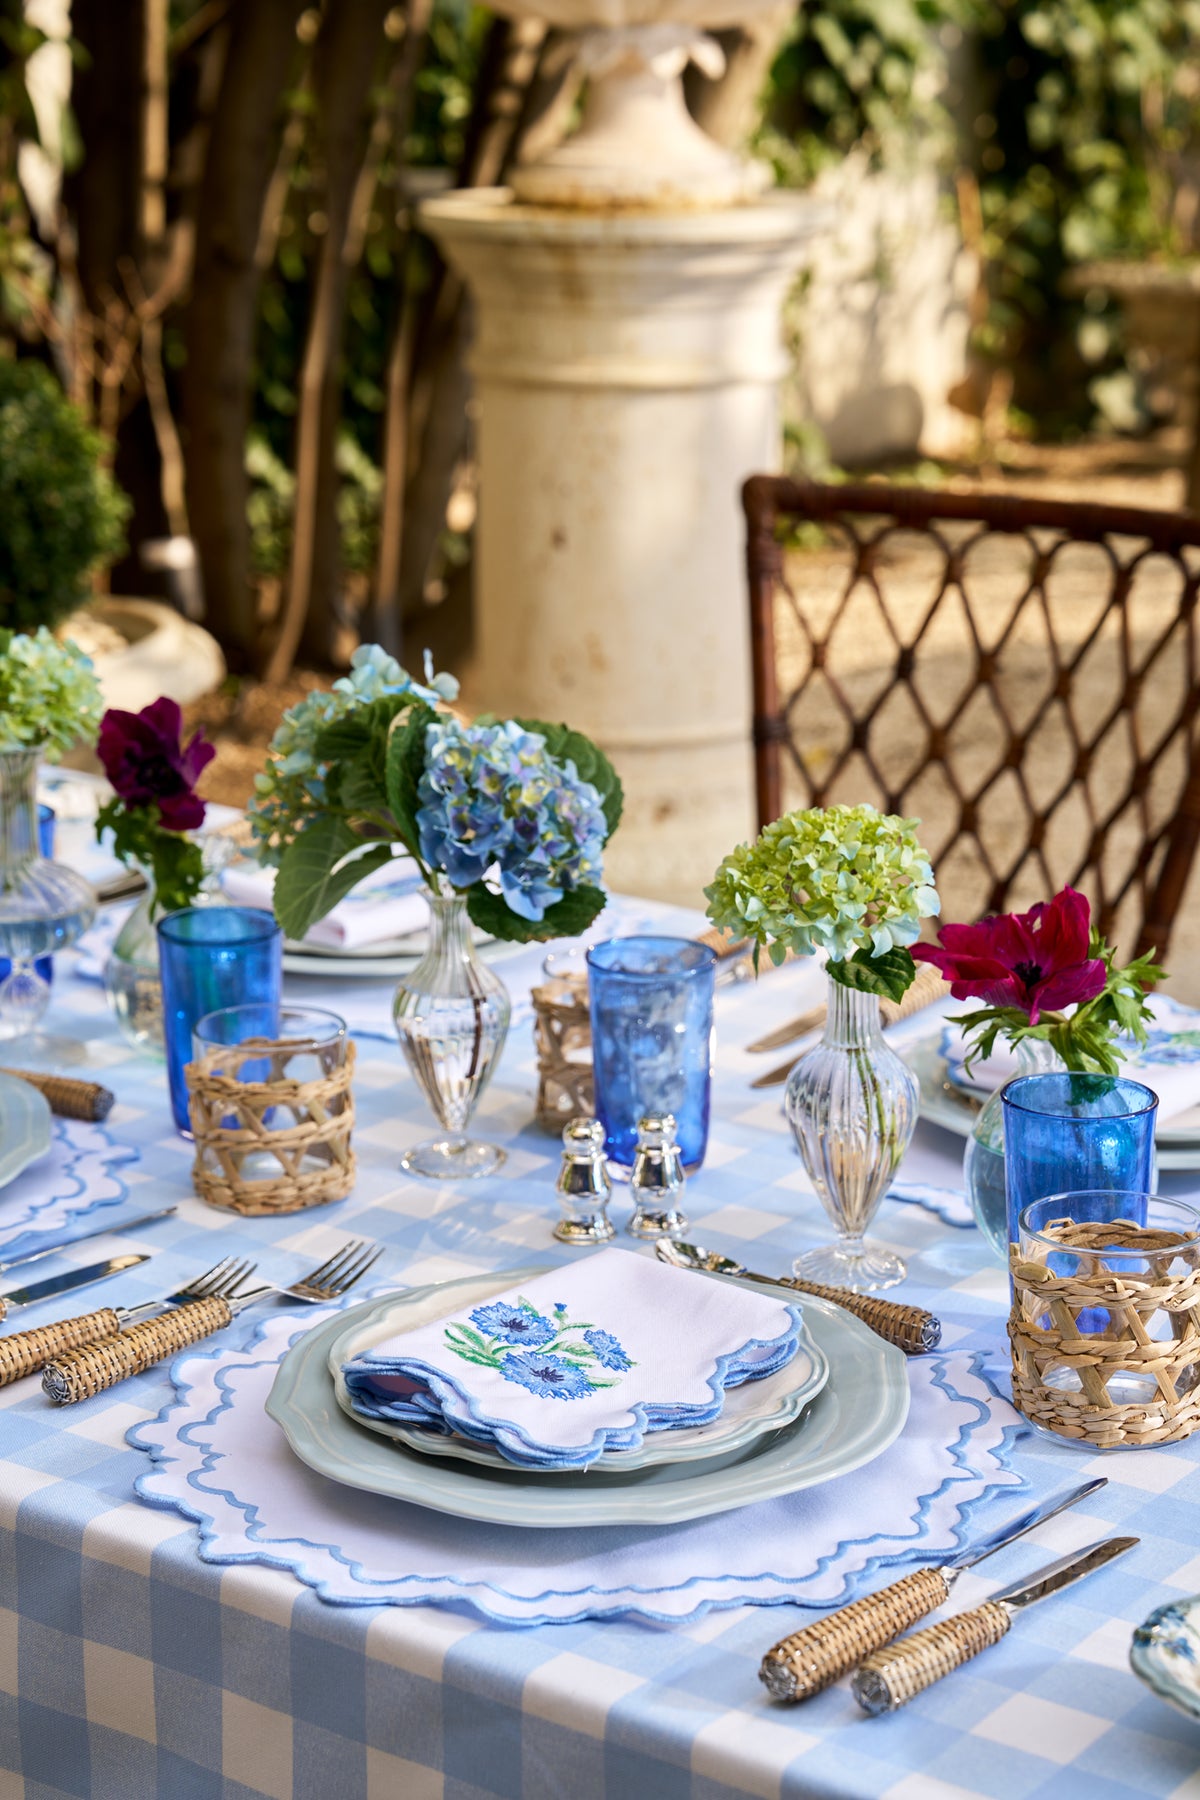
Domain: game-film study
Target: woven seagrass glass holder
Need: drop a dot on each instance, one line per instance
(1105, 1321)
(562, 1035)
(272, 1111)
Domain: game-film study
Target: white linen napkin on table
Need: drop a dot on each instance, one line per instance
(1169, 1062)
(578, 1361)
(390, 903)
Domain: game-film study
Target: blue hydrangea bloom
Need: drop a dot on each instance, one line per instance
(514, 1324)
(549, 1377)
(493, 798)
(607, 1350)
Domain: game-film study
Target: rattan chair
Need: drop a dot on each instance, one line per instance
(1023, 675)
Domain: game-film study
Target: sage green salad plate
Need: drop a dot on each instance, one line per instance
(851, 1420)
(25, 1127)
(748, 1411)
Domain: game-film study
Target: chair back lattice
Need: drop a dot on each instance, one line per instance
(1022, 675)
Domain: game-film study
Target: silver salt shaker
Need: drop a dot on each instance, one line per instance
(584, 1186)
(658, 1180)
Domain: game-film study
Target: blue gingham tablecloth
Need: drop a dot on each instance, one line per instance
(129, 1669)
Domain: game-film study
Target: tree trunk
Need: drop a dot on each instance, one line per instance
(345, 61)
(221, 319)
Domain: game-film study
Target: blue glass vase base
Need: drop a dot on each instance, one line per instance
(452, 1159)
(858, 1264)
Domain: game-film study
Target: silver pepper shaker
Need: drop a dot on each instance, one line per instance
(584, 1186)
(657, 1180)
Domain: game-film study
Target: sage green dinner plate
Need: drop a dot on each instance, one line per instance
(856, 1415)
(748, 1411)
(25, 1127)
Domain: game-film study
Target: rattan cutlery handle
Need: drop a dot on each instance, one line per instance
(910, 1328)
(892, 1677)
(69, 1097)
(81, 1373)
(27, 1351)
(812, 1659)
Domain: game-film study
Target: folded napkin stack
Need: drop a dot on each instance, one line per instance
(392, 902)
(579, 1361)
(1168, 1063)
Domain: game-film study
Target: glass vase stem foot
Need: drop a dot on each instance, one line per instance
(855, 1263)
(452, 1159)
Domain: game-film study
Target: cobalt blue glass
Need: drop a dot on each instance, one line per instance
(211, 957)
(652, 1028)
(1071, 1133)
(45, 829)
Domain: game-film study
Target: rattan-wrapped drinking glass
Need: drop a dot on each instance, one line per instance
(1105, 1321)
(271, 1109)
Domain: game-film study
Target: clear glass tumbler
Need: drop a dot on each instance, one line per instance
(652, 1040)
(300, 1048)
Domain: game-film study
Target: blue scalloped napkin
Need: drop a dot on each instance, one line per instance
(578, 1361)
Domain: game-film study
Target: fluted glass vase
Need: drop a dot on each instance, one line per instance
(44, 906)
(852, 1105)
(452, 1014)
(983, 1157)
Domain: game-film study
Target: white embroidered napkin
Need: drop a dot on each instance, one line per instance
(578, 1361)
(391, 903)
(1169, 1062)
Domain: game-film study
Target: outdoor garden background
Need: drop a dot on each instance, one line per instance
(207, 234)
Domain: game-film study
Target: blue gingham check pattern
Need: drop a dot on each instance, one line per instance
(130, 1670)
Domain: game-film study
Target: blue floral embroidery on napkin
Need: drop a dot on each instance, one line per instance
(552, 1359)
(549, 1377)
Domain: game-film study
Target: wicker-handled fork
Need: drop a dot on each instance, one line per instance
(81, 1373)
(24, 1352)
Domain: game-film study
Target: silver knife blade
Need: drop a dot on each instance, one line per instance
(1061, 1574)
(1016, 1528)
(17, 1262)
(73, 1278)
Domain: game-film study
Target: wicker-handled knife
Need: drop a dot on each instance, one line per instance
(892, 1677)
(815, 1657)
(910, 1328)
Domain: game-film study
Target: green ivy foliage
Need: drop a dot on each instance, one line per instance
(61, 513)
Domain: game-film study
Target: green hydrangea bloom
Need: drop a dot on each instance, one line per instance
(838, 878)
(291, 790)
(49, 695)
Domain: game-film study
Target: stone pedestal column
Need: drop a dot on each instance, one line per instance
(627, 370)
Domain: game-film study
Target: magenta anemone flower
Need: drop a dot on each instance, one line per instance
(148, 764)
(1032, 961)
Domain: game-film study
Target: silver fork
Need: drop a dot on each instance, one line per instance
(79, 1374)
(23, 1352)
(336, 1275)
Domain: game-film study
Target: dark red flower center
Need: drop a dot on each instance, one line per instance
(1029, 974)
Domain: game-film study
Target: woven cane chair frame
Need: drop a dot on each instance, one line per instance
(1134, 833)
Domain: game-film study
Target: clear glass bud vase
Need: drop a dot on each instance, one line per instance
(44, 906)
(983, 1157)
(452, 1016)
(131, 975)
(852, 1105)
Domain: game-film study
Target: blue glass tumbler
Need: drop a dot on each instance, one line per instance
(1070, 1133)
(652, 1034)
(45, 830)
(210, 957)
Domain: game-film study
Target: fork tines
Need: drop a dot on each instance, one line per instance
(340, 1271)
(219, 1281)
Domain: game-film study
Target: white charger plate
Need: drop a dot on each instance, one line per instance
(748, 1411)
(25, 1127)
(857, 1414)
(387, 960)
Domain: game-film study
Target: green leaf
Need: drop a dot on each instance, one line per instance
(314, 874)
(890, 975)
(591, 764)
(343, 738)
(405, 762)
(566, 918)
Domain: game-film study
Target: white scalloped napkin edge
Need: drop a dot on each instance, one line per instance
(220, 1461)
